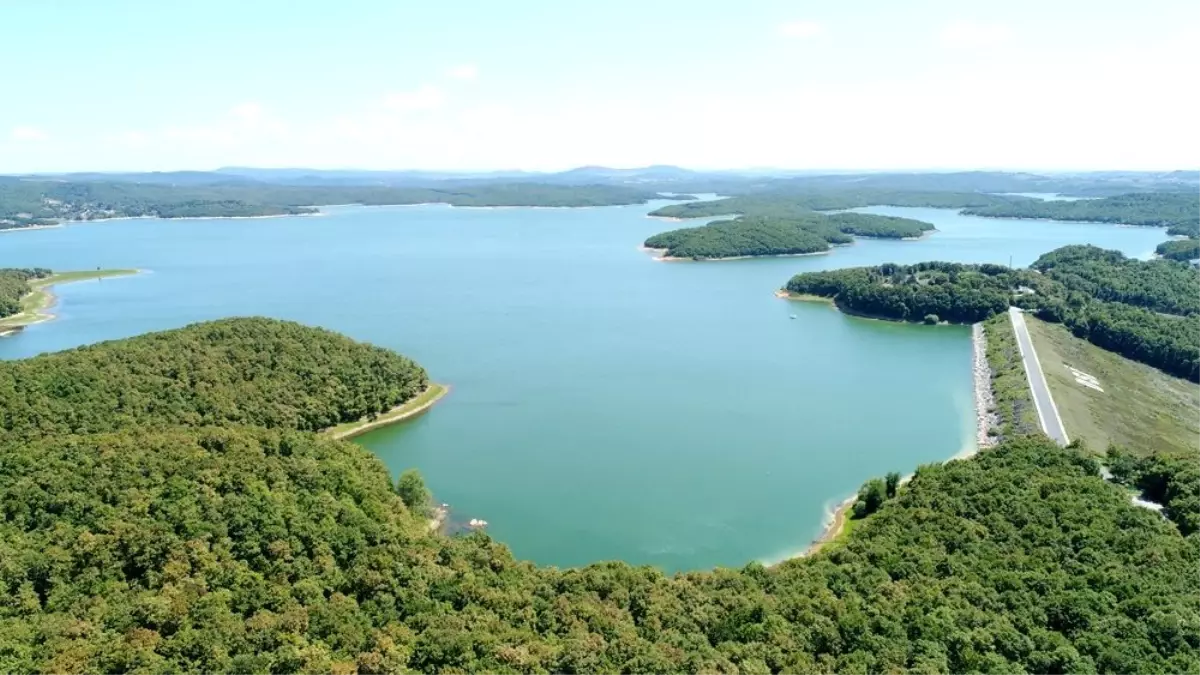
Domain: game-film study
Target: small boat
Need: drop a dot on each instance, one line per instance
(793, 316)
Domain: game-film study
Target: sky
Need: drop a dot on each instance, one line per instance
(140, 85)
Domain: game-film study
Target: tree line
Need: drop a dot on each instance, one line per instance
(1155, 209)
(799, 202)
(1179, 249)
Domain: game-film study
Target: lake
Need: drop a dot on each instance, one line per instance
(603, 405)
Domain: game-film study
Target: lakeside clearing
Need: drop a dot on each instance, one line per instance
(1104, 398)
(34, 305)
(407, 410)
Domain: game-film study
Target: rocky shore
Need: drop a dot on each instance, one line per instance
(985, 403)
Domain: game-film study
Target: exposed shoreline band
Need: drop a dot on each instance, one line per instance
(407, 410)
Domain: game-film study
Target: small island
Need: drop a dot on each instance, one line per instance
(25, 293)
(759, 236)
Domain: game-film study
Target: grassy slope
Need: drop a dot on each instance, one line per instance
(411, 408)
(1141, 408)
(34, 304)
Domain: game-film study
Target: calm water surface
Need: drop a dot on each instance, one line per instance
(604, 405)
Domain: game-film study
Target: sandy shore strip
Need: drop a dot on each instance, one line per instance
(834, 525)
(669, 219)
(407, 410)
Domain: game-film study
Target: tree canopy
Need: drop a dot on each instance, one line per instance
(1158, 209)
(951, 291)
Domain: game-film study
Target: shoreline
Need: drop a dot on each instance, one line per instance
(42, 298)
(27, 228)
(396, 414)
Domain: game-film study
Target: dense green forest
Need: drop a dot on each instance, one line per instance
(952, 292)
(790, 203)
(14, 285)
(1179, 249)
(32, 202)
(238, 549)
(1159, 285)
(1173, 482)
(761, 235)
(1190, 230)
(253, 371)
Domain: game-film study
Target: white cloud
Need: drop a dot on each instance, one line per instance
(425, 98)
(467, 71)
(249, 112)
(25, 133)
(801, 29)
(968, 34)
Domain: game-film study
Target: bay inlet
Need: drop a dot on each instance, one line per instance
(604, 406)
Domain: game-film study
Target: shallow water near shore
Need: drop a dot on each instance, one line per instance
(604, 406)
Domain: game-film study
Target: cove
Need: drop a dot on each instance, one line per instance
(604, 406)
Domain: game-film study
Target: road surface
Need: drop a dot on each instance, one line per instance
(1047, 414)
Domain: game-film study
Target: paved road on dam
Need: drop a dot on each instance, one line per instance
(1047, 413)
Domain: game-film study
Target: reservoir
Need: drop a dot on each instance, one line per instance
(603, 405)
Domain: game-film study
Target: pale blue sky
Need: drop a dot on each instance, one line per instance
(548, 84)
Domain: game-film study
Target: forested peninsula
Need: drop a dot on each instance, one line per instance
(167, 507)
(29, 203)
(1177, 210)
(1148, 311)
(25, 294)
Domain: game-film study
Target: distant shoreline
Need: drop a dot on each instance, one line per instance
(407, 410)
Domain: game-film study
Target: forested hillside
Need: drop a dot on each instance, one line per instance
(14, 285)
(253, 371)
(1179, 249)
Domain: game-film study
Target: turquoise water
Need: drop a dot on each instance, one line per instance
(604, 405)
